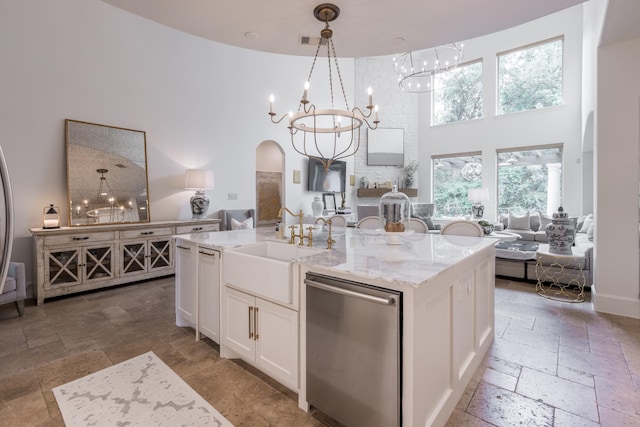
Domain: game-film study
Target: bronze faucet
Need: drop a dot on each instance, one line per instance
(330, 241)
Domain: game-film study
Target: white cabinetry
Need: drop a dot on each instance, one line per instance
(209, 293)
(186, 283)
(262, 333)
(76, 259)
(198, 289)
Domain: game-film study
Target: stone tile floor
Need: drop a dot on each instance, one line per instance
(552, 363)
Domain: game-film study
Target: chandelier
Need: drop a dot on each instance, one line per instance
(327, 134)
(416, 70)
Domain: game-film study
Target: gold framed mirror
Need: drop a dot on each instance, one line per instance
(107, 179)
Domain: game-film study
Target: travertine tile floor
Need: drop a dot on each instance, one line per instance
(552, 363)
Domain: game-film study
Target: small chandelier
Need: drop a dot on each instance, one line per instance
(416, 70)
(341, 124)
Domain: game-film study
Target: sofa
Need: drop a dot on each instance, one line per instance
(522, 265)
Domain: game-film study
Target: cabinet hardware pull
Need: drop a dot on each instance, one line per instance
(81, 238)
(146, 233)
(255, 323)
(183, 247)
(206, 253)
(197, 228)
(250, 320)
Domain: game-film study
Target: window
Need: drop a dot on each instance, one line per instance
(530, 78)
(453, 176)
(530, 180)
(457, 94)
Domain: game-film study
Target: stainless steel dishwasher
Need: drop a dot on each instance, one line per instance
(354, 344)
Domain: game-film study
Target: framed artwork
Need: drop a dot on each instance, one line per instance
(385, 147)
(329, 200)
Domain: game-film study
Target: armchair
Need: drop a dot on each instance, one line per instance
(15, 288)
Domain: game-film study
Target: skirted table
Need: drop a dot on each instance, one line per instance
(552, 278)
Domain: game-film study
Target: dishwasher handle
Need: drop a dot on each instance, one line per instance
(347, 292)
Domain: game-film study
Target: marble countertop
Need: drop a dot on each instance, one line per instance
(365, 254)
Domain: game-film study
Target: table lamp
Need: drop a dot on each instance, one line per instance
(199, 180)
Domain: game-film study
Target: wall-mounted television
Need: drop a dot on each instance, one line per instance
(332, 182)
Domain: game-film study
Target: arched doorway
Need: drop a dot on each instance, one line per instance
(269, 182)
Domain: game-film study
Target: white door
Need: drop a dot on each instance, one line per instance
(186, 283)
(239, 323)
(209, 293)
(277, 342)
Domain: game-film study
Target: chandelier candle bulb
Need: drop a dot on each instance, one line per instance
(306, 92)
(370, 93)
(271, 99)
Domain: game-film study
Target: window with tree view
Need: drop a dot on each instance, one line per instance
(453, 176)
(457, 94)
(530, 180)
(530, 78)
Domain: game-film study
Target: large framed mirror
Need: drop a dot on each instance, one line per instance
(106, 174)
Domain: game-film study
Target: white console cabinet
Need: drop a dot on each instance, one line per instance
(76, 259)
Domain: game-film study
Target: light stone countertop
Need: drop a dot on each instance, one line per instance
(367, 256)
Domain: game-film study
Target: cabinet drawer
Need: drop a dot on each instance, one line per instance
(146, 232)
(79, 238)
(197, 228)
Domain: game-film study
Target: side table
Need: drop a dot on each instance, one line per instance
(550, 270)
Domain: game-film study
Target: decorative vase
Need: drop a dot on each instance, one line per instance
(199, 205)
(317, 206)
(408, 181)
(561, 233)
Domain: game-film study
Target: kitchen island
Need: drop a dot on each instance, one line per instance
(447, 321)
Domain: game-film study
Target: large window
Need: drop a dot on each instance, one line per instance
(457, 94)
(453, 176)
(530, 78)
(530, 180)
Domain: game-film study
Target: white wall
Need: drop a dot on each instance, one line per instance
(549, 126)
(617, 145)
(202, 104)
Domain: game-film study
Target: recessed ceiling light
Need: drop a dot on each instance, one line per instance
(250, 35)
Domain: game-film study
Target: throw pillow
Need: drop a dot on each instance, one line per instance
(247, 224)
(519, 222)
(586, 224)
(590, 233)
(544, 220)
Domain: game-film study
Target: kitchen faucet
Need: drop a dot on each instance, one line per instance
(300, 234)
(330, 241)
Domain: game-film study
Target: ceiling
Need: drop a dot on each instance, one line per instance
(364, 27)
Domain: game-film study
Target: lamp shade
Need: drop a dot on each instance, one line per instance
(199, 179)
(478, 194)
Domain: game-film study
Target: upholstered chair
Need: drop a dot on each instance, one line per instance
(15, 287)
(240, 216)
(463, 228)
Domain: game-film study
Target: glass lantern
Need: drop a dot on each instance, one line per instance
(51, 217)
(394, 211)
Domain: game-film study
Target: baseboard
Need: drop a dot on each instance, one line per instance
(612, 304)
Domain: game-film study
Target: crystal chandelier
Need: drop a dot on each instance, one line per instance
(340, 125)
(415, 70)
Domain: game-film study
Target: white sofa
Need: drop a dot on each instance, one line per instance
(523, 266)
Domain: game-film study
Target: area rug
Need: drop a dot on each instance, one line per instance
(142, 391)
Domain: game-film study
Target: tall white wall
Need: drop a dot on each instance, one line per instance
(201, 103)
(554, 125)
(617, 146)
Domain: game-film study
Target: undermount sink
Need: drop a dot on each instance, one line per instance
(264, 268)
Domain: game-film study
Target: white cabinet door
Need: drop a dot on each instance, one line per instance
(277, 341)
(239, 320)
(186, 283)
(209, 293)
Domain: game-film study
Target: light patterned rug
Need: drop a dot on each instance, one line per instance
(142, 391)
